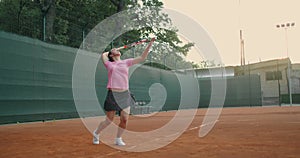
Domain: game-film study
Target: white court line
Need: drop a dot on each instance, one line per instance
(113, 153)
(158, 139)
(293, 122)
(245, 120)
(172, 135)
(132, 147)
(192, 128)
(209, 123)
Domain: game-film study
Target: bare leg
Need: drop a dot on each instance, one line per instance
(123, 121)
(109, 118)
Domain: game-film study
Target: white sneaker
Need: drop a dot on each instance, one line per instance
(120, 142)
(95, 138)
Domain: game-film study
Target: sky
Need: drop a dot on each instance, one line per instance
(223, 20)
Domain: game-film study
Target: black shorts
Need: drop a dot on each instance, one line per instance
(117, 101)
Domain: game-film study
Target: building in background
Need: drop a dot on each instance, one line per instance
(212, 72)
(296, 78)
(273, 78)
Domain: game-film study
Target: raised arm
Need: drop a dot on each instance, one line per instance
(144, 54)
(104, 57)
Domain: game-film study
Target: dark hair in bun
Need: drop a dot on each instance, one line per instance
(109, 57)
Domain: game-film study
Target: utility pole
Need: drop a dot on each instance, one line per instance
(242, 49)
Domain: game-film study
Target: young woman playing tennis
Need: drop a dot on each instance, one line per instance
(118, 96)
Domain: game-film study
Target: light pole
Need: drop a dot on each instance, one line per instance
(286, 26)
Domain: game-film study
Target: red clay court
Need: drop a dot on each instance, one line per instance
(240, 132)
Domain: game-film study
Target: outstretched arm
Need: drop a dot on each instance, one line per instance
(144, 54)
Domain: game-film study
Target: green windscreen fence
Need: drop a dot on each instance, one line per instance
(36, 83)
(36, 80)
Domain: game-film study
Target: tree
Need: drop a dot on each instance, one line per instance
(209, 64)
(48, 8)
(68, 21)
(169, 47)
(20, 17)
(120, 4)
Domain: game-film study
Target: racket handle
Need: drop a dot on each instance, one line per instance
(123, 47)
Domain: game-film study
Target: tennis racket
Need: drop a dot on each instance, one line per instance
(133, 44)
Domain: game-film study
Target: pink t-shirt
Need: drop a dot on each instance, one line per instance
(118, 73)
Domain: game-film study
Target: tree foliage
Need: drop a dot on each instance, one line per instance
(67, 22)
